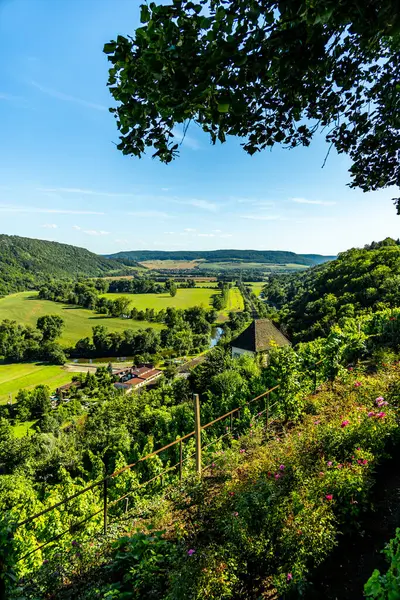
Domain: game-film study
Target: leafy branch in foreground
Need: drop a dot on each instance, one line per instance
(271, 72)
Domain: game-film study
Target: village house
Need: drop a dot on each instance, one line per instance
(134, 378)
(62, 391)
(259, 338)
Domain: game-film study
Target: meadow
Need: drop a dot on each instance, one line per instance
(26, 308)
(155, 265)
(27, 375)
(185, 298)
(258, 266)
(235, 301)
(256, 287)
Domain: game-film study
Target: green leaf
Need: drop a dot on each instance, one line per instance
(223, 107)
(109, 48)
(144, 14)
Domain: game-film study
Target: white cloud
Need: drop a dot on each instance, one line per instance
(217, 230)
(262, 217)
(123, 241)
(86, 192)
(49, 226)
(225, 235)
(254, 202)
(59, 211)
(150, 214)
(165, 189)
(67, 97)
(319, 202)
(263, 203)
(169, 233)
(90, 231)
(203, 204)
(189, 230)
(206, 234)
(188, 140)
(95, 232)
(9, 97)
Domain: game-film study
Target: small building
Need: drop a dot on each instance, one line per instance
(260, 337)
(62, 391)
(135, 378)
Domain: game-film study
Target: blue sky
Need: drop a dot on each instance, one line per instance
(62, 178)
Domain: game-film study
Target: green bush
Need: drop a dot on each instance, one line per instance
(387, 586)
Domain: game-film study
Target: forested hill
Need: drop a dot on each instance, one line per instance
(260, 256)
(25, 262)
(359, 281)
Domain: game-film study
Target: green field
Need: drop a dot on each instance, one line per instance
(235, 300)
(185, 298)
(238, 265)
(256, 287)
(27, 375)
(26, 308)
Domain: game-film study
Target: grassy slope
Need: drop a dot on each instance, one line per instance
(27, 375)
(26, 308)
(184, 298)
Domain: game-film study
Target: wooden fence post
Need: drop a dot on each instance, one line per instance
(180, 460)
(315, 378)
(267, 413)
(197, 432)
(105, 485)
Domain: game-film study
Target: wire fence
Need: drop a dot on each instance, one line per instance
(103, 484)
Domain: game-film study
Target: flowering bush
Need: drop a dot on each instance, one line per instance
(280, 513)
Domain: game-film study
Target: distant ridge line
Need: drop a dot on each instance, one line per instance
(259, 256)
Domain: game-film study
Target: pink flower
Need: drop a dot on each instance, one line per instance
(329, 463)
(289, 576)
(242, 450)
(235, 514)
(380, 415)
(339, 466)
(277, 475)
(371, 414)
(213, 465)
(344, 423)
(379, 399)
(191, 552)
(281, 467)
(350, 368)
(329, 497)
(231, 493)
(357, 384)
(321, 473)
(365, 462)
(317, 422)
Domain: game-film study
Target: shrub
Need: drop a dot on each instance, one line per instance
(387, 586)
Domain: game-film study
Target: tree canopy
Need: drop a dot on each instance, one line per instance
(272, 72)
